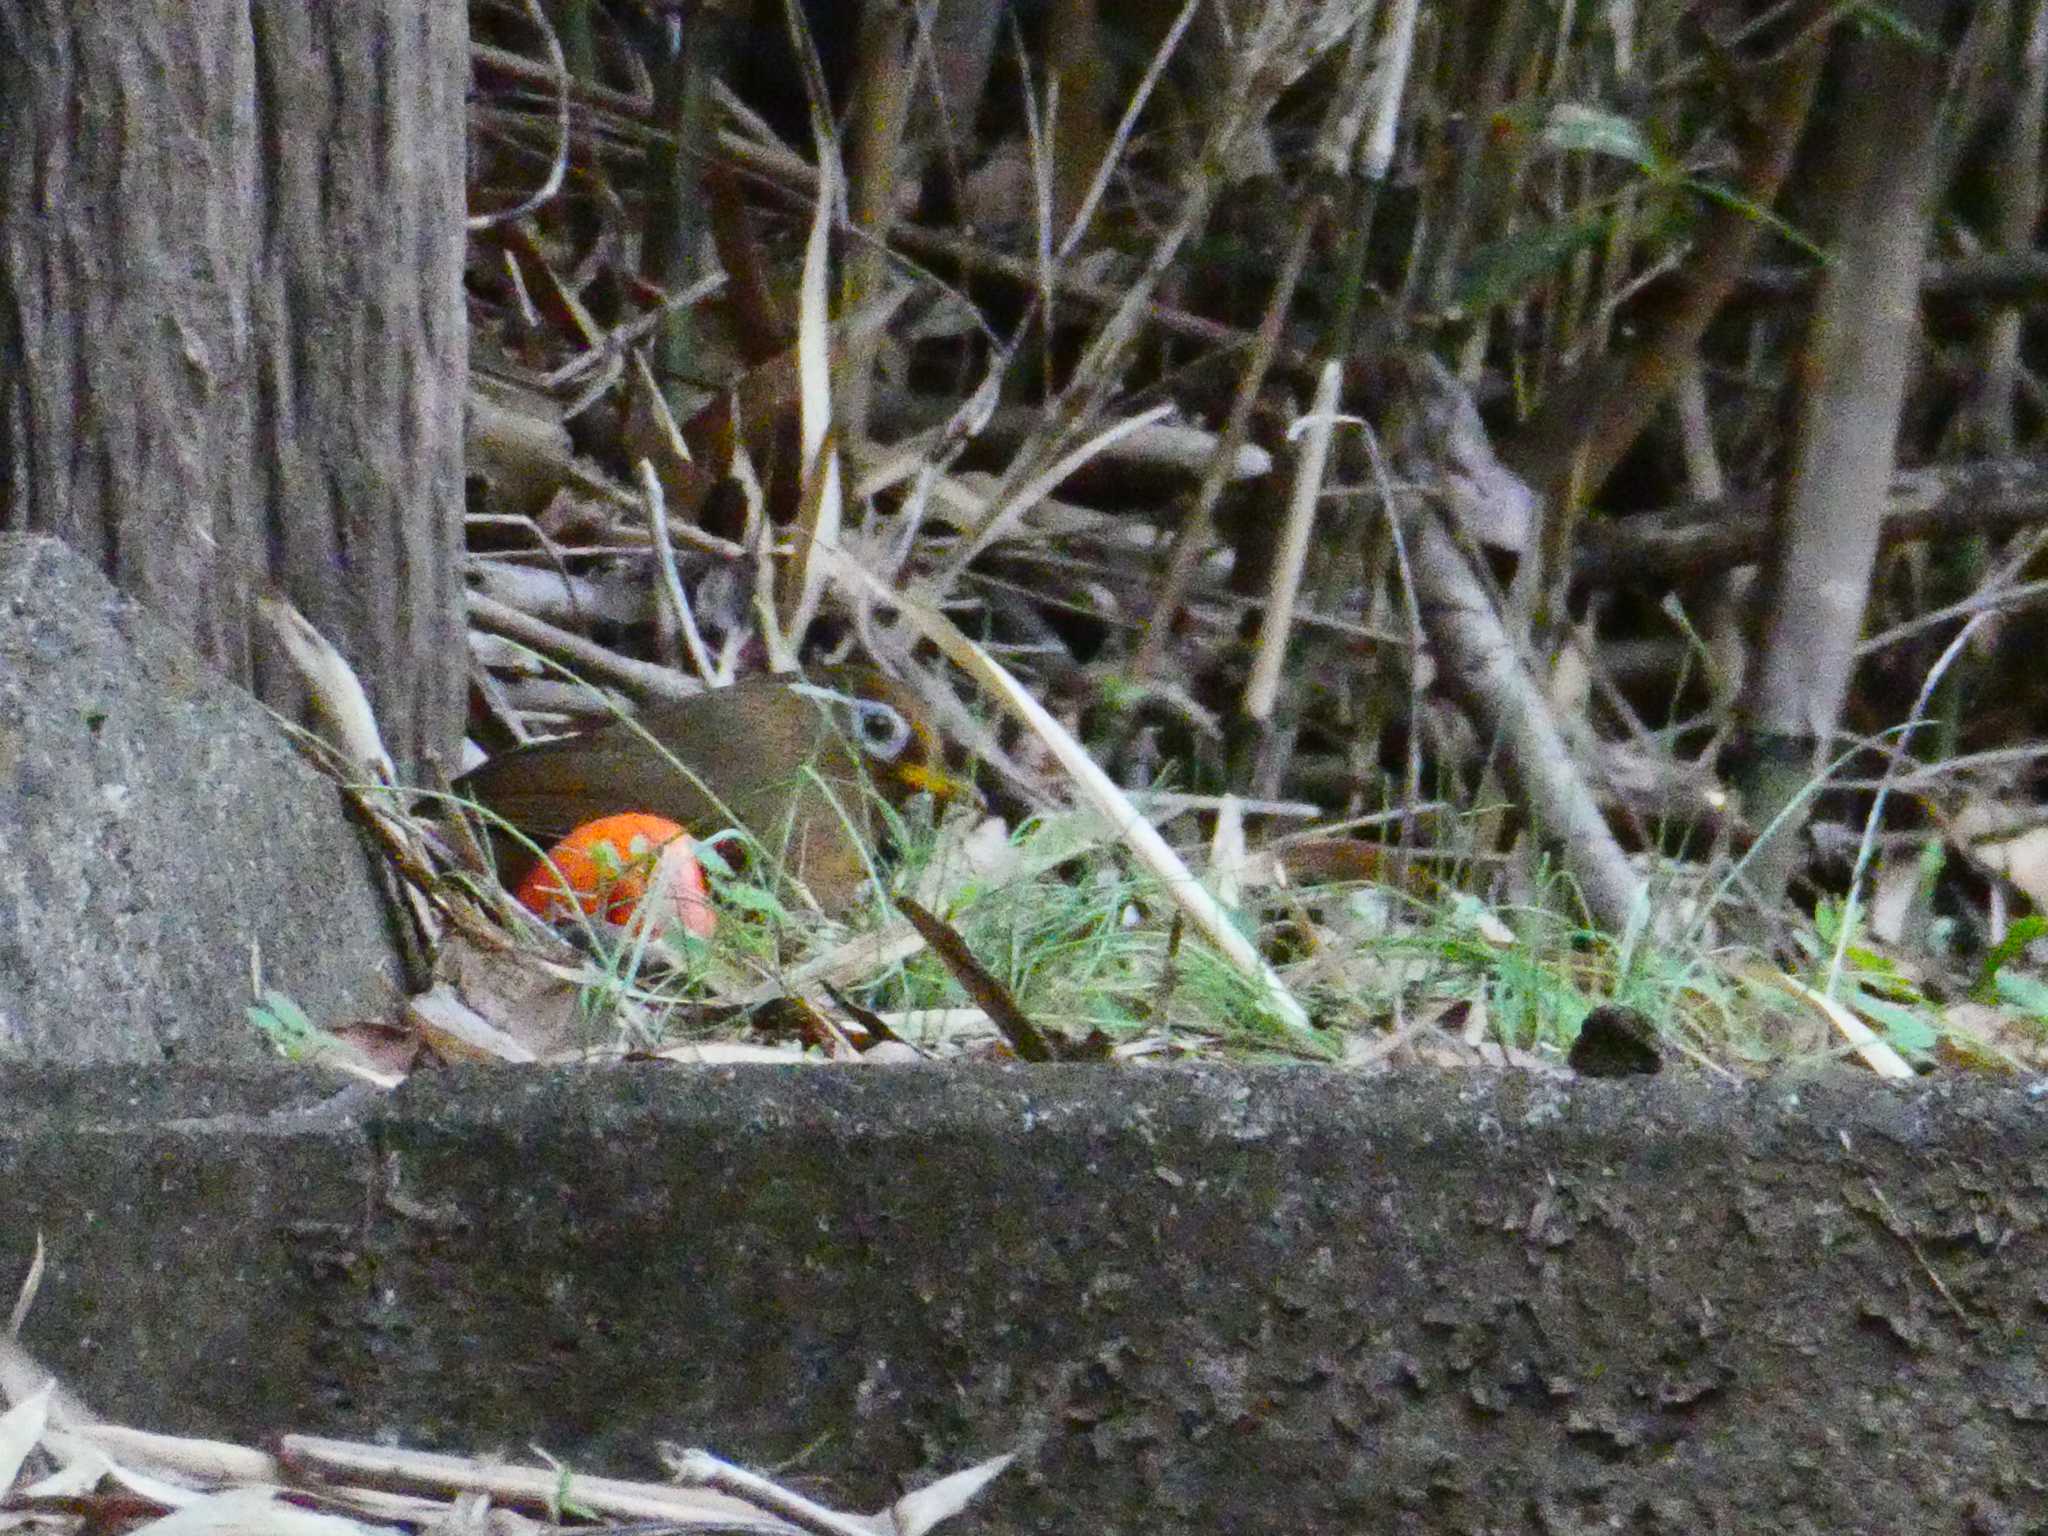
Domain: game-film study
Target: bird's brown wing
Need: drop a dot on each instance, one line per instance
(753, 755)
(549, 788)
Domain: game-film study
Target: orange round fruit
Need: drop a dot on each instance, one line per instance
(606, 867)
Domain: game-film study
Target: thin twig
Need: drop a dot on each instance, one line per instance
(644, 679)
(672, 580)
(1278, 621)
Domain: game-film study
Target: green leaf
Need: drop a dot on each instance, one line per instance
(1884, 21)
(1714, 192)
(1572, 125)
(1503, 269)
(285, 1024)
(1879, 973)
(2027, 993)
(2017, 938)
(1907, 1030)
(1827, 920)
(745, 896)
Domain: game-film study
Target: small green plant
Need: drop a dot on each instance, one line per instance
(1999, 982)
(1872, 983)
(285, 1025)
(294, 1036)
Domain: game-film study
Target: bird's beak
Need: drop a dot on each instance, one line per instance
(943, 787)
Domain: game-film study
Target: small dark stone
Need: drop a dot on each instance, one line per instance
(1616, 1041)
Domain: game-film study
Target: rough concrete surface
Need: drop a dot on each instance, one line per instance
(163, 840)
(1271, 1300)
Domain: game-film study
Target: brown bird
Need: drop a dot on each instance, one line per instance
(794, 763)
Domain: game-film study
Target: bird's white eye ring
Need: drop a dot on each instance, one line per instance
(880, 728)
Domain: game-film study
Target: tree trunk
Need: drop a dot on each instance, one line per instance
(232, 326)
(1877, 171)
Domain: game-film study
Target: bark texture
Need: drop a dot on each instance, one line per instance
(1878, 172)
(232, 328)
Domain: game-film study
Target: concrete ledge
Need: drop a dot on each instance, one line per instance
(1202, 1300)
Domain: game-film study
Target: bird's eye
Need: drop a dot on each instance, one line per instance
(881, 730)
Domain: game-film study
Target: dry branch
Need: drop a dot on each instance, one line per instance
(2002, 277)
(1992, 496)
(1482, 667)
